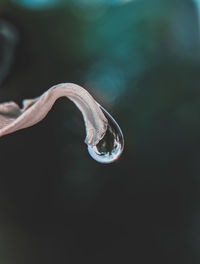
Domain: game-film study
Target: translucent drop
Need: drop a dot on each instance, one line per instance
(111, 145)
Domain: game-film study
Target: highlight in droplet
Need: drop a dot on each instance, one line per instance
(111, 146)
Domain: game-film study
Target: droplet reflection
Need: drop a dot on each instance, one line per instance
(111, 145)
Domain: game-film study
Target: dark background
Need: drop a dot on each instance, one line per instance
(141, 60)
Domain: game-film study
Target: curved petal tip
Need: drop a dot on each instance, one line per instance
(12, 118)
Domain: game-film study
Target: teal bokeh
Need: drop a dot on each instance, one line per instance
(37, 4)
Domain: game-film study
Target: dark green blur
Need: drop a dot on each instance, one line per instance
(141, 60)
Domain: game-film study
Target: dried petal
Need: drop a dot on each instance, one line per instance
(12, 118)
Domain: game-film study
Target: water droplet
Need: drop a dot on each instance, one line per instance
(111, 145)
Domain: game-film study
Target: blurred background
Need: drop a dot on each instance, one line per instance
(140, 60)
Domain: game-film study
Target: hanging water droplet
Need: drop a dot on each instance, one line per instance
(111, 145)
